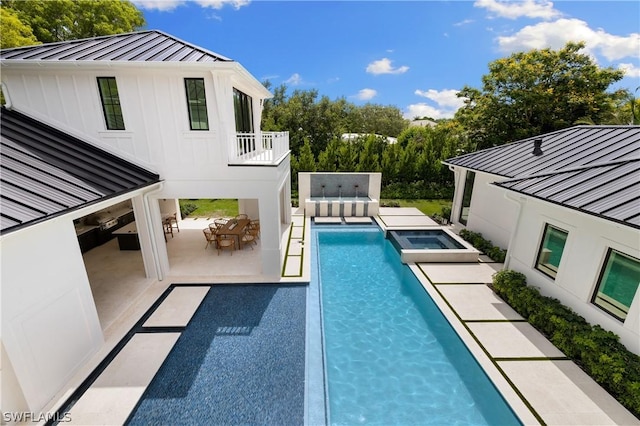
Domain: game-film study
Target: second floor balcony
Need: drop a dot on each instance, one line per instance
(262, 148)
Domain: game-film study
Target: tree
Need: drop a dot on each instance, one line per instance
(328, 159)
(368, 159)
(59, 20)
(389, 164)
(535, 92)
(13, 32)
(306, 162)
(306, 115)
(377, 119)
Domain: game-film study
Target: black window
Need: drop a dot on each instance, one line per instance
(196, 103)
(618, 284)
(111, 103)
(243, 106)
(550, 251)
(466, 197)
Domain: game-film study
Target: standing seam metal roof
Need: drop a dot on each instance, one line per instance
(592, 169)
(610, 191)
(46, 172)
(572, 147)
(142, 46)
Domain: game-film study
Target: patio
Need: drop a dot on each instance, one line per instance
(117, 276)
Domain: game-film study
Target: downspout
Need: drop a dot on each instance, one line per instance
(519, 202)
(7, 99)
(456, 183)
(152, 235)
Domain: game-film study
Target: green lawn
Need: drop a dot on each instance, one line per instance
(428, 207)
(229, 207)
(212, 208)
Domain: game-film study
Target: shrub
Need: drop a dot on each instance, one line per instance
(446, 213)
(187, 208)
(486, 246)
(597, 351)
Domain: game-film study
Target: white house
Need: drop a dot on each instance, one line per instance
(566, 205)
(123, 126)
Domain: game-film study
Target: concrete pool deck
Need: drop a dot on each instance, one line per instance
(536, 379)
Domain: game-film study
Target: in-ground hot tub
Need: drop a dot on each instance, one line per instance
(431, 245)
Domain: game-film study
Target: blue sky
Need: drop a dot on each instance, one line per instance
(414, 55)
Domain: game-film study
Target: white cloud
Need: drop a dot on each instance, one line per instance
(446, 98)
(366, 94)
(463, 22)
(383, 66)
(447, 103)
(630, 70)
(161, 5)
(168, 5)
(424, 110)
(219, 4)
(294, 80)
(556, 34)
(542, 9)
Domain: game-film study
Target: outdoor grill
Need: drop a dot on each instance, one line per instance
(104, 221)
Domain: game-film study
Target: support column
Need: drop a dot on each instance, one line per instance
(270, 233)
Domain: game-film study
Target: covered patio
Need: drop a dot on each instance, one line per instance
(117, 277)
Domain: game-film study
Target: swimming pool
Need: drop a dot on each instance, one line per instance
(390, 355)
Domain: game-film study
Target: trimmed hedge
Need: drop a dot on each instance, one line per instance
(486, 246)
(419, 190)
(597, 351)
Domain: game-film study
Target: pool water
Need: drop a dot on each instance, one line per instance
(391, 357)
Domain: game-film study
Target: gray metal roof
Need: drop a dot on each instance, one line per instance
(572, 147)
(610, 191)
(592, 169)
(142, 46)
(46, 172)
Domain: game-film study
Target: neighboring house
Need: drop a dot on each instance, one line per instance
(567, 206)
(348, 137)
(422, 123)
(116, 123)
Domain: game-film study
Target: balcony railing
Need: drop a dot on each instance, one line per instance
(264, 148)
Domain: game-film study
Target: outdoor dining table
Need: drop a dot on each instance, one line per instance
(235, 229)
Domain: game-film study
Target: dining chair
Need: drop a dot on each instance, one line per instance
(225, 244)
(248, 238)
(209, 236)
(168, 229)
(173, 222)
(255, 226)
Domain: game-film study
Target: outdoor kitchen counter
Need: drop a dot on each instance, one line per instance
(128, 237)
(81, 229)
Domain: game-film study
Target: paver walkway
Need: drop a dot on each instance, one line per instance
(552, 386)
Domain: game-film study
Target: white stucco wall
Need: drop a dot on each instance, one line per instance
(583, 257)
(50, 326)
(490, 213)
